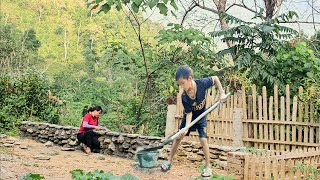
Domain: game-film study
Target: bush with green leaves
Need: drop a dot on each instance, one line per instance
(99, 175)
(25, 97)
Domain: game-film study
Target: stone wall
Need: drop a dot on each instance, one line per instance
(121, 144)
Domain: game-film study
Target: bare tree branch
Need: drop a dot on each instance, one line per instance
(303, 22)
(205, 8)
(314, 26)
(210, 23)
(311, 5)
(192, 6)
(241, 5)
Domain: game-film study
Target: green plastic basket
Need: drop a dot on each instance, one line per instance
(148, 159)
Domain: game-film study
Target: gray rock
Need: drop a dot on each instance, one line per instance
(2, 136)
(8, 145)
(43, 140)
(23, 147)
(120, 139)
(30, 130)
(17, 143)
(113, 133)
(100, 132)
(126, 145)
(107, 140)
(101, 138)
(52, 153)
(133, 135)
(114, 138)
(67, 149)
(101, 158)
(112, 146)
(42, 157)
(153, 138)
(133, 141)
(67, 127)
(57, 132)
(73, 143)
(48, 144)
(64, 141)
(9, 142)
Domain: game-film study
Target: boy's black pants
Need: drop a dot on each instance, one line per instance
(90, 139)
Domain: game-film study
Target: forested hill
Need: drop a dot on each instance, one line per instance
(81, 57)
(65, 28)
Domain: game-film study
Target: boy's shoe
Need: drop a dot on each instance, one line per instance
(166, 166)
(207, 172)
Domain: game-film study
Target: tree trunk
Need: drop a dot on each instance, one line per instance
(221, 7)
(269, 8)
(78, 34)
(91, 44)
(40, 14)
(65, 44)
(272, 6)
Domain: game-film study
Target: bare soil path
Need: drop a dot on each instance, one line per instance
(54, 164)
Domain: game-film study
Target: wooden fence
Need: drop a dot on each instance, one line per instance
(274, 123)
(295, 165)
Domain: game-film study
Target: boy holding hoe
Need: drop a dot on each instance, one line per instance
(194, 103)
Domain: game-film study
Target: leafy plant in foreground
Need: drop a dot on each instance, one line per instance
(31, 176)
(99, 175)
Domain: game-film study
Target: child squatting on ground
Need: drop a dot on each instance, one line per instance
(194, 103)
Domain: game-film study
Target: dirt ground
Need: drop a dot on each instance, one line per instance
(25, 157)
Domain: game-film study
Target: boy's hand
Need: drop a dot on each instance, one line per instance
(223, 97)
(97, 128)
(183, 132)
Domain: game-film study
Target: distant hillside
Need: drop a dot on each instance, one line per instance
(65, 28)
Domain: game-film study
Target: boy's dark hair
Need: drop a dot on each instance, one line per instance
(184, 71)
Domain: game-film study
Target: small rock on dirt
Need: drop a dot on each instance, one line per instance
(67, 149)
(17, 143)
(9, 142)
(51, 153)
(23, 147)
(40, 157)
(8, 145)
(48, 144)
(73, 143)
(101, 158)
(2, 136)
(6, 158)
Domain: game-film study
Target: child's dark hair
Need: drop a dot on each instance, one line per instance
(91, 109)
(184, 71)
(95, 108)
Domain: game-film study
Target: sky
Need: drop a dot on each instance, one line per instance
(207, 21)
